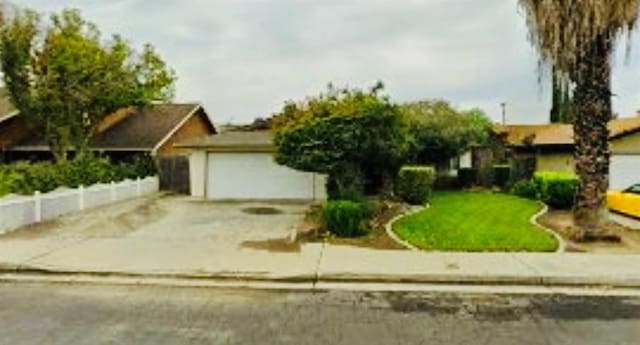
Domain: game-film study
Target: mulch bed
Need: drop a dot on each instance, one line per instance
(310, 230)
(616, 238)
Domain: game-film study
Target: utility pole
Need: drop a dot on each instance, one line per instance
(504, 112)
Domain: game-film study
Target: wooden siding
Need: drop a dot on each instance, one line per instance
(196, 126)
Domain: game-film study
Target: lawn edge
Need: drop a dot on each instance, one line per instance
(562, 244)
(396, 237)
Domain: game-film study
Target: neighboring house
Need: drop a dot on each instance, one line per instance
(553, 146)
(152, 129)
(239, 165)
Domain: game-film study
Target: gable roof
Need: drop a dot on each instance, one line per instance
(146, 128)
(131, 129)
(559, 134)
(233, 141)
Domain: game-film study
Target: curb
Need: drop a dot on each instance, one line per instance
(309, 282)
(562, 244)
(389, 227)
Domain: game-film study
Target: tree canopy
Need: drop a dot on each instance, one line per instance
(346, 133)
(66, 78)
(441, 132)
(563, 31)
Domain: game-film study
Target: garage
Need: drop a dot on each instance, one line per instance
(624, 171)
(240, 166)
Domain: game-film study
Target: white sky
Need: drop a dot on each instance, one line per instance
(243, 58)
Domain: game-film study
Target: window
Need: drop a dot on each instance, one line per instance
(635, 189)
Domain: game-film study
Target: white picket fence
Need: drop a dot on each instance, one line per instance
(17, 211)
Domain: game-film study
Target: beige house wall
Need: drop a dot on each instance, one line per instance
(555, 162)
(629, 144)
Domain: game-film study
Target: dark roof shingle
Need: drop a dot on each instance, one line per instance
(135, 128)
(144, 127)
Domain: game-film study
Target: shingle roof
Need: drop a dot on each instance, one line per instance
(559, 134)
(244, 141)
(135, 128)
(144, 127)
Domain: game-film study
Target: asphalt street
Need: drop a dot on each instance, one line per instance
(99, 314)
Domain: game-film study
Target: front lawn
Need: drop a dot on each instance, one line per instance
(476, 222)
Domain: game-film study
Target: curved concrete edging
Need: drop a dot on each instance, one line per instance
(562, 244)
(396, 238)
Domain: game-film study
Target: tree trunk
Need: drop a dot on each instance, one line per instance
(592, 153)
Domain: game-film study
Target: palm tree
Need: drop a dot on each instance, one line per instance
(577, 38)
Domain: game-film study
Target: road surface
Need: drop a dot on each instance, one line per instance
(78, 314)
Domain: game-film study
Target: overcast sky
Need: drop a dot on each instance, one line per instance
(243, 58)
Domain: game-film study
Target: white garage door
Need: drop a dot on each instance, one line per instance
(255, 176)
(624, 171)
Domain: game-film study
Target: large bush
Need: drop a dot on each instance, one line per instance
(356, 137)
(346, 218)
(26, 178)
(43, 177)
(557, 189)
(415, 184)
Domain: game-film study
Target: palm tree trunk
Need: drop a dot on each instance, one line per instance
(592, 153)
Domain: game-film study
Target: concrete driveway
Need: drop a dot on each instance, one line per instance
(165, 235)
(174, 218)
(629, 222)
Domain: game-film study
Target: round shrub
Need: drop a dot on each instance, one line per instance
(557, 189)
(346, 218)
(415, 184)
(525, 189)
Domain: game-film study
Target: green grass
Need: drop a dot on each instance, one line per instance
(476, 222)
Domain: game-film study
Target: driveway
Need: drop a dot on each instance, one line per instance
(174, 218)
(166, 235)
(629, 222)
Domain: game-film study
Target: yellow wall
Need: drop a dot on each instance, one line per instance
(629, 144)
(555, 162)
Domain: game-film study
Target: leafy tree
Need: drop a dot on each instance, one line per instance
(350, 134)
(442, 132)
(66, 78)
(577, 38)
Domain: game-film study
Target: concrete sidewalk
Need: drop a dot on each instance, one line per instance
(316, 263)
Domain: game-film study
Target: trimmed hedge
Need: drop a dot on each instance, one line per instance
(26, 178)
(346, 218)
(415, 184)
(557, 189)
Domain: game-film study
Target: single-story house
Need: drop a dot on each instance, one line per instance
(152, 129)
(239, 165)
(552, 145)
